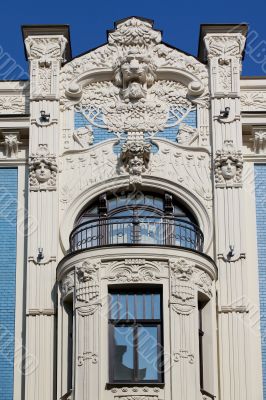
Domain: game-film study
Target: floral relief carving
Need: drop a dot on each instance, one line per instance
(11, 144)
(228, 166)
(45, 49)
(224, 46)
(134, 32)
(44, 80)
(43, 169)
(253, 101)
(134, 270)
(87, 287)
(135, 100)
(13, 104)
(45, 53)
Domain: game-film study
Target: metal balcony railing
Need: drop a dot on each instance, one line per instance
(132, 230)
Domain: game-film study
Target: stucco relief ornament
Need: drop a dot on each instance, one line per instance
(182, 286)
(228, 166)
(45, 49)
(11, 144)
(134, 270)
(253, 101)
(135, 156)
(225, 47)
(84, 136)
(12, 105)
(136, 99)
(43, 170)
(87, 287)
(67, 284)
(186, 134)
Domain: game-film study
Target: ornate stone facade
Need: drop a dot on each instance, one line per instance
(135, 174)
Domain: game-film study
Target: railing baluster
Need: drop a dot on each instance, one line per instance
(136, 230)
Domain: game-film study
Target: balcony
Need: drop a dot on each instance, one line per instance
(136, 231)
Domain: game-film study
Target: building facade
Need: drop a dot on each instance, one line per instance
(133, 227)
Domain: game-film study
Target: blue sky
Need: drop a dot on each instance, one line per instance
(179, 20)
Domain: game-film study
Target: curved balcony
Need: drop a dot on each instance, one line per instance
(132, 230)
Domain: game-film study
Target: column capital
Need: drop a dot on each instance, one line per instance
(222, 41)
(47, 41)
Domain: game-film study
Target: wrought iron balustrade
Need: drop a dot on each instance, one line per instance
(131, 230)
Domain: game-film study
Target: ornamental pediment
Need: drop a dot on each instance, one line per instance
(131, 75)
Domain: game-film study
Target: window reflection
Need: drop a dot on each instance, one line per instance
(135, 323)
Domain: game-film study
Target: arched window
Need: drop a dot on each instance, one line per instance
(136, 219)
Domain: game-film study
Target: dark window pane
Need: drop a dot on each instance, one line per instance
(148, 353)
(122, 306)
(131, 306)
(140, 306)
(113, 306)
(148, 306)
(156, 306)
(123, 354)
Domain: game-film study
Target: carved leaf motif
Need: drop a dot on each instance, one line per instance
(134, 273)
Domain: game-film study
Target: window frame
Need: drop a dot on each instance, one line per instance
(136, 324)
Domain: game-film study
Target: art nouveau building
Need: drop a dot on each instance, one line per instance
(133, 227)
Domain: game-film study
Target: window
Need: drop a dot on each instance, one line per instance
(134, 218)
(201, 334)
(135, 336)
(205, 346)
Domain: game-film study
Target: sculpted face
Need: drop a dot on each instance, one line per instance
(228, 169)
(43, 172)
(135, 166)
(134, 75)
(135, 68)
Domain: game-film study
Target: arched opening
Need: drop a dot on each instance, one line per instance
(134, 218)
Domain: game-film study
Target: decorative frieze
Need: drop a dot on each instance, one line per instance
(228, 166)
(13, 104)
(43, 170)
(134, 270)
(253, 100)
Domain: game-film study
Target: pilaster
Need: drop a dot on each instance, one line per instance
(224, 48)
(45, 53)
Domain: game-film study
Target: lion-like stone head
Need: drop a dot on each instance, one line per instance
(134, 73)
